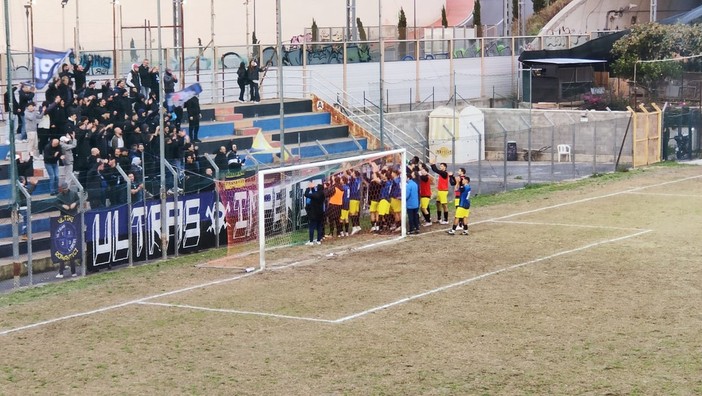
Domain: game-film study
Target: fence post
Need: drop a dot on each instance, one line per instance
(504, 159)
(216, 210)
(129, 211)
(176, 224)
(28, 220)
(553, 144)
(594, 150)
(81, 212)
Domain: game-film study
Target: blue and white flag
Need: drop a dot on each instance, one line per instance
(46, 64)
(177, 99)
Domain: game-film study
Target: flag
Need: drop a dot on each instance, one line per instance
(46, 64)
(177, 99)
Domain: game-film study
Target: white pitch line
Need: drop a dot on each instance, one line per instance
(236, 311)
(122, 305)
(567, 225)
(488, 274)
(669, 195)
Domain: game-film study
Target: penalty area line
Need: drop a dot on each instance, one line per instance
(486, 275)
(236, 311)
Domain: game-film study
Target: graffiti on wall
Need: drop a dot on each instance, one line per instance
(101, 65)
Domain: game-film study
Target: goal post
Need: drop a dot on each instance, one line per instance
(282, 220)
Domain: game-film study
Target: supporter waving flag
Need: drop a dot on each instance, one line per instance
(177, 99)
(46, 64)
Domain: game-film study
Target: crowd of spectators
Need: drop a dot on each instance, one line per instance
(86, 129)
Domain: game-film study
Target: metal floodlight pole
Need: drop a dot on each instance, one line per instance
(11, 136)
(162, 142)
(77, 49)
(279, 46)
(114, 39)
(382, 71)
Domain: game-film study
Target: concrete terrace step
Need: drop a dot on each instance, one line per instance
(312, 150)
(272, 107)
(215, 129)
(41, 241)
(41, 222)
(41, 203)
(229, 117)
(299, 120)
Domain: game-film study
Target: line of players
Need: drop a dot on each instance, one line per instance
(337, 202)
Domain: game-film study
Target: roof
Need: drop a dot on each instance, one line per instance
(564, 61)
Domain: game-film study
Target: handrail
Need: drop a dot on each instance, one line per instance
(321, 147)
(28, 199)
(81, 211)
(368, 119)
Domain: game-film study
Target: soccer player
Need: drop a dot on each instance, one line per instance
(395, 199)
(355, 200)
(425, 193)
(345, 201)
(336, 195)
(384, 203)
(455, 181)
(442, 193)
(412, 204)
(463, 208)
(374, 187)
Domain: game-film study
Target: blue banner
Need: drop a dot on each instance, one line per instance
(177, 99)
(46, 65)
(107, 230)
(65, 239)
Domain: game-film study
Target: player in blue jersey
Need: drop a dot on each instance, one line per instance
(384, 216)
(395, 200)
(345, 201)
(463, 208)
(354, 184)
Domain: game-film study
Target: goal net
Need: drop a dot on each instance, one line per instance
(337, 199)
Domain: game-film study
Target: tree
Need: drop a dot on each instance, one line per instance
(444, 20)
(477, 20)
(402, 32)
(655, 42)
(539, 5)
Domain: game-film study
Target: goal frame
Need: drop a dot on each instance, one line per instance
(260, 184)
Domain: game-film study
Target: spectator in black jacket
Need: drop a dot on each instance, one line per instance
(96, 186)
(145, 78)
(52, 155)
(169, 81)
(194, 115)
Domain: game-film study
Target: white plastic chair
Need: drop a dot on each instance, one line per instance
(563, 149)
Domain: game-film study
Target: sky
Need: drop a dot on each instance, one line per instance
(54, 25)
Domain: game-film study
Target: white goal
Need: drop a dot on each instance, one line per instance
(290, 198)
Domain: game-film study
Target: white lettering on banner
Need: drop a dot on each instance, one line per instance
(102, 250)
(138, 224)
(42, 71)
(109, 248)
(191, 230)
(120, 248)
(153, 223)
(241, 211)
(221, 213)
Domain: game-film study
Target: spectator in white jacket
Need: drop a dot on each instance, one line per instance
(32, 117)
(68, 143)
